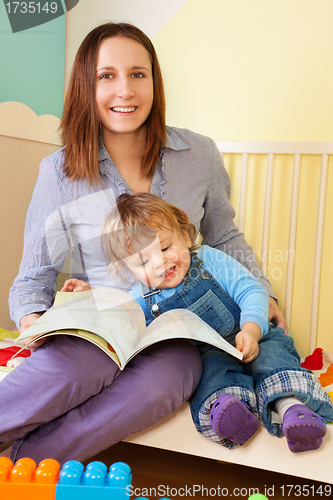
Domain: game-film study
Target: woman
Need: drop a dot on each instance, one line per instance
(68, 401)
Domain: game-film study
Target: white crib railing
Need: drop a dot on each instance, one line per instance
(297, 149)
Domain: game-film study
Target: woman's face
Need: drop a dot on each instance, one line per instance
(124, 86)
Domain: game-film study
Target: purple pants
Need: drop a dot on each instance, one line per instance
(69, 400)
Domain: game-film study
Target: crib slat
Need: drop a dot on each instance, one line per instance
(242, 201)
(318, 252)
(267, 213)
(292, 238)
(297, 150)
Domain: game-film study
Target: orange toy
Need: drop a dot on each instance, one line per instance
(25, 480)
(327, 377)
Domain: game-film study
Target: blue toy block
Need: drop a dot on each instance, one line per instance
(96, 482)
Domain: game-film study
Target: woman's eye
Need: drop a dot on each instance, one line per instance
(166, 248)
(105, 76)
(138, 75)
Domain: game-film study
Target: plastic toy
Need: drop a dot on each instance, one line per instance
(26, 480)
(95, 482)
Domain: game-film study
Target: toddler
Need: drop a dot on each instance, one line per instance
(150, 244)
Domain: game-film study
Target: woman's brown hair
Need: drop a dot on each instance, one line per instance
(80, 124)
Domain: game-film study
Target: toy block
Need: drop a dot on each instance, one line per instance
(96, 482)
(26, 480)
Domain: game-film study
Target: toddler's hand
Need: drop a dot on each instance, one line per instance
(247, 341)
(75, 285)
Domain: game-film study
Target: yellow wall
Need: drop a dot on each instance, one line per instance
(250, 69)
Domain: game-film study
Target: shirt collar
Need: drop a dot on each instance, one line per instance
(102, 152)
(173, 142)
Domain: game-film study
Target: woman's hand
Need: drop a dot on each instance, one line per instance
(276, 314)
(75, 285)
(25, 322)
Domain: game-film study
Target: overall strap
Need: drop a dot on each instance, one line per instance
(148, 294)
(151, 295)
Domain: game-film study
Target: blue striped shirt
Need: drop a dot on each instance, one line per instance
(63, 224)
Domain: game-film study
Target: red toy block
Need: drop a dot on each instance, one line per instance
(314, 361)
(27, 481)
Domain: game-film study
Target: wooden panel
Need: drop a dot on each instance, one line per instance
(19, 165)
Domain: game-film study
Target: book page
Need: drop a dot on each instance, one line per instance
(110, 313)
(181, 323)
(92, 337)
(117, 318)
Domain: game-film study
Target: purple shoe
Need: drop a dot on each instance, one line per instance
(231, 418)
(303, 429)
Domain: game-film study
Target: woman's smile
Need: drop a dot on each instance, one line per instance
(123, 110)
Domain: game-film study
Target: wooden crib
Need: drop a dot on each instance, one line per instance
(283, 195)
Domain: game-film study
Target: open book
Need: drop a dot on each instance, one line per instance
(115, 322)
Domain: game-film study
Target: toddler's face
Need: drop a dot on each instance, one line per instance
(164, 262)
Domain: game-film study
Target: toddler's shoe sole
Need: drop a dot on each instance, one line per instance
(303, 429)
(231, 418)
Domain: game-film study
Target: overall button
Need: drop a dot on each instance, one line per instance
(204, 275)
(155, 309)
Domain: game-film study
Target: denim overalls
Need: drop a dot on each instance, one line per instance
(275, 373)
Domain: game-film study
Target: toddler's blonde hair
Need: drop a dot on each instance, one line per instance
(131, 226)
